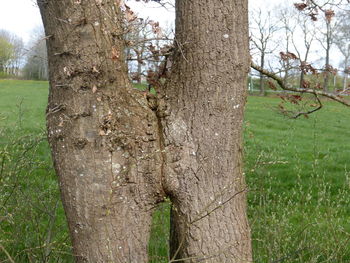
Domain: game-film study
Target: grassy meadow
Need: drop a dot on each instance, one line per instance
(297, 171)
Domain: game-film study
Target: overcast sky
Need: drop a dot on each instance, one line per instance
(22, 16)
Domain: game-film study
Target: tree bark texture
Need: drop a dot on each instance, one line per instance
(102, 132)
(118, 151)
(203, 132)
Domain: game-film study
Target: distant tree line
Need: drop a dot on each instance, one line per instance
(36, 66)
(18, 60)
(11, 53)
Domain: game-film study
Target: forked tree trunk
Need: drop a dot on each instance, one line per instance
(117, 156)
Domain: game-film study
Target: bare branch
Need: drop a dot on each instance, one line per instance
(300, 90)
(219, 206)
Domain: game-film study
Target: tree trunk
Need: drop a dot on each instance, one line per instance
(139, 68)
(261, 77)
(203, 132)
(103, 135)
(286, 63)
(345, 79)
(117, 154)
(327, 67)
(345, 82)
(301, 82)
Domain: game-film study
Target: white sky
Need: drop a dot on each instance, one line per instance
(22, 16)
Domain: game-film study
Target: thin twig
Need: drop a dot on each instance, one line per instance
(219, 206)
(7, 254)
(310, 111)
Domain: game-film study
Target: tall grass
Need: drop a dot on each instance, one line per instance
(32, 222)
(297, 171)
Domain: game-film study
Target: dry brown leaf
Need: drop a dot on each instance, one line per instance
(115, 53)
(94, 89)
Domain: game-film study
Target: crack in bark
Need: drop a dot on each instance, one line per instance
(154, 106)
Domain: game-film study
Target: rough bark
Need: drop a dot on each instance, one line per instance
(102, 132)
(203, 132)
(117, 154)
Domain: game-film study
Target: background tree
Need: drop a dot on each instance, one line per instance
(15, 58)
(6, 50)
(326, 42)
(147, 44)
(16, 63)
(136, 49)
(342, 40)
(307, 32)
(12, 50)
(262, 40)
(326, 8)
(287, 25)
(36, 66)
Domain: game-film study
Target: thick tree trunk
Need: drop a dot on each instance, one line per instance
(203, 132)
(117, 154)
(102, 133)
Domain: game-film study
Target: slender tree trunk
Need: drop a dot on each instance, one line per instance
(286, 73)
(139, 68)
(327, 67)
(345, 80)
(261, 77)
(302, 76)
(203, 132)
(286, 64)
(117, 154)
(102, 133)
(327, 74)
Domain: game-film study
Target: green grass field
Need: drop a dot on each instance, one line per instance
(297, 171)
